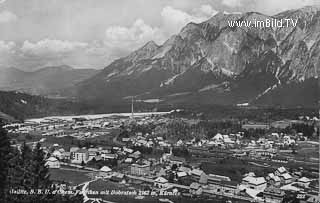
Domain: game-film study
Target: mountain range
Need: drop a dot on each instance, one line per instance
(48, 81)
(215, 63)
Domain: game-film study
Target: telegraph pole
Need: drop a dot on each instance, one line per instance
(132, 116)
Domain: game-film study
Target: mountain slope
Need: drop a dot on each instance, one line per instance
(216, 63)
(21, 105)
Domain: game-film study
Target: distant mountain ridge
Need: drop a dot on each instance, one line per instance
(211, 62)
(44, 81)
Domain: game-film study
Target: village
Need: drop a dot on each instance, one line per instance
(136, 153)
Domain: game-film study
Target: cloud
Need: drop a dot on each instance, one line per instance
(123, 39)
(207, 10)
(2, 1)
(49, 47)
(174, 19)
(232, 3)
(7, 16)
(135, 35)
(275, 6)
(7, 47)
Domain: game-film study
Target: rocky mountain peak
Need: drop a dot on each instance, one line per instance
(203, 56)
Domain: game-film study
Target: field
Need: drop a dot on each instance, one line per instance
(71, 176)
(233, 168)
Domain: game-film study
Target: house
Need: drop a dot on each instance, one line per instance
(72, 151)
(280, 171)
(66, 155)
(196, 174)
(80, 156)
(92, 152)
(105, 171)
(256, 183)
(184, 169)
(230, 187)
(118, 177)
(109, 156)
(52, 162)
(181, 174)
(149, 144)
(273, 195)
(162, 172)
(58, 154)
(212, 178)
(313, 199)
(176, 160)
(195, 189)
(203, 179)
(125, 139)
(128, 160)
(273, 179)
(286, 178)
(127, 150)
(161, 182)
(135, 155)
(304, 182)
(140, 169)
(255, 126)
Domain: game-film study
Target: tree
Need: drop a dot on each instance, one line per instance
(4, 161)
(39, 169)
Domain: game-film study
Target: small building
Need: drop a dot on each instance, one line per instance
(161, 182)
(313, 199)
(105, 171)
(262, 126)
(128, 160)
(256, 183)
(52, 162)
(184, 169)
(217, 178)
(80, 156)
(181, 174)
(286, 178)
(304, 182)
(280, 171)
(58, 154)
(92, 152)
(176, 160)
(72, 151)
(135, 155)
(66, 155)
(196, 174)
(118, 177)
(273, 195)
(109, 156)
(273, 179)
(140, 169)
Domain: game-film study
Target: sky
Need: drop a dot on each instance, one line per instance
(93, 33)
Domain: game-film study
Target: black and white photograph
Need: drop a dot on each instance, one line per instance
(165, 101)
